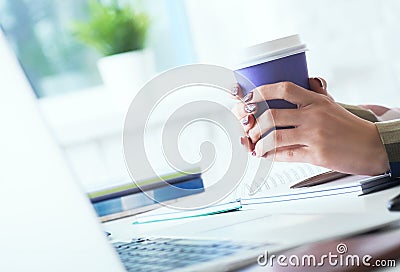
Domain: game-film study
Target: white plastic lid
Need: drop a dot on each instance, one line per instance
(270, 50)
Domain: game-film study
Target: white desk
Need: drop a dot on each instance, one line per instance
(371, 206)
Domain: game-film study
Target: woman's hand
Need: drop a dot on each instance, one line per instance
(317, 85)
(324, 133)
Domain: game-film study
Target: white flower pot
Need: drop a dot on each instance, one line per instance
(124, 74)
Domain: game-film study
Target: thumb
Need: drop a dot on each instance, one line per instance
(318, 85)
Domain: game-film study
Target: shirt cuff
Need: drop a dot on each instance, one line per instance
(389, 132)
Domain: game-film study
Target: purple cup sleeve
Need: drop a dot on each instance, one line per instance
(292, 68)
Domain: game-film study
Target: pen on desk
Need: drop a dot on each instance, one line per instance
(394, 204)
(378, 183)
(320, 179)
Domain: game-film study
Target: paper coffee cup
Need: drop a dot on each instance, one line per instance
(271, 62)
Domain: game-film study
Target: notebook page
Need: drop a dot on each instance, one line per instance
(281, 176)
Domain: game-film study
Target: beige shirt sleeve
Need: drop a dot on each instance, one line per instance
(390, 135)
(389, 132)
(360, 112)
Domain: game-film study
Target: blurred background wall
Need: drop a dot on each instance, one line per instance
(353, 44)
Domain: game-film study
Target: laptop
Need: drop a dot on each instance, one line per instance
(49, 224)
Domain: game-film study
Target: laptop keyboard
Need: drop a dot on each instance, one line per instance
(166, 254)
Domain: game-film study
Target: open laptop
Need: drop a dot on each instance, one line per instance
(48, 223)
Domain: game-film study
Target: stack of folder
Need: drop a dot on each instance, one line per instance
(128, 199)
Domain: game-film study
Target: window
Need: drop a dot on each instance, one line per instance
(40, 32)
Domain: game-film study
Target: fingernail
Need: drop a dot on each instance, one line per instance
(321, 84)
(235, 90)
(248, 97)
(254, 153)
(250, 108)
(245, 120)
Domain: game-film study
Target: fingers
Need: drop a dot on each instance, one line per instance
(236, 90)
(296, 153)
(283, 90)
(240, 110)
(247, 143)
(243, 108)
(248, 122)
(279, 139)
(273, 118)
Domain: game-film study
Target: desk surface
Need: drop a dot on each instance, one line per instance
(373, 205)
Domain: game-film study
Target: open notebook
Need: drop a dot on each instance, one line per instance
(281, 176)
(276, 188)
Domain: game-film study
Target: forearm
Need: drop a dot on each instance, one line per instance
(389, 132)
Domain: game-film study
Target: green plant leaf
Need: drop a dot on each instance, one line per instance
(113, 29)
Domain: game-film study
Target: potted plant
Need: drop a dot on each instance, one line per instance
(119, 34)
